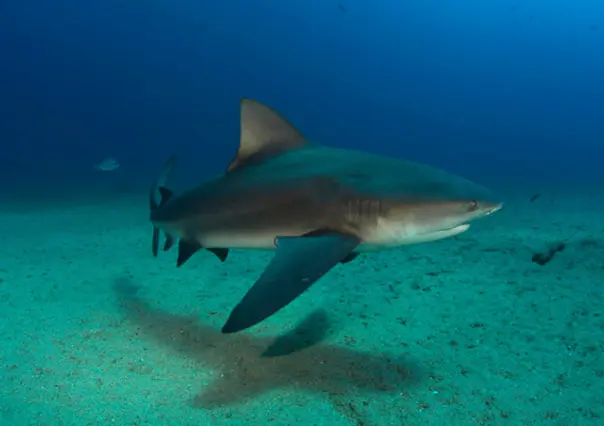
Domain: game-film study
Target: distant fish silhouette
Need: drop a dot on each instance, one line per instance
(109, 164)
(534, 198)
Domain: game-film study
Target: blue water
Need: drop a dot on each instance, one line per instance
(507, 93)
(508, 90)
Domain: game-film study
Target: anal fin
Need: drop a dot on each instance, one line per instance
(186, 249)
(221, 253)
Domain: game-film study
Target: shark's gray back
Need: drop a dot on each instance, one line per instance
(292, 173)
(359, 171)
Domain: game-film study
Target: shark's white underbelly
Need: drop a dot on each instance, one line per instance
(375, 242)
(245, 241)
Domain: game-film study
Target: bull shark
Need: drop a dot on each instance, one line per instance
(315, 206)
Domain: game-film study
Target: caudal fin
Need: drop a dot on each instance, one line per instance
(158, 190)
(159, 196)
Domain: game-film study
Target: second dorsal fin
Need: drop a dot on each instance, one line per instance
(264, 133)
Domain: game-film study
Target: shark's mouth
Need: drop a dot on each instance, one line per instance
(436, 235)
(449, 232)
(391, 235)
(455, 227)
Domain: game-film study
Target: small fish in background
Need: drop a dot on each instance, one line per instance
(109, 164)
(341, 7)
(534, 198)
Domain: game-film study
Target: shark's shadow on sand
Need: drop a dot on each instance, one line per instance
(246, 366)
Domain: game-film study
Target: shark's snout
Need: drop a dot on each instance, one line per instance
(421, 221)
(439, 216)
(490, 208)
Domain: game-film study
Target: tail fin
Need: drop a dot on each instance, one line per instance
(164, 195)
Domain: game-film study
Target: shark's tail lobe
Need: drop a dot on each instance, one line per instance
(159, 196)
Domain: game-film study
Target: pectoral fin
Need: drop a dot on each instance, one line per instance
(298, 263)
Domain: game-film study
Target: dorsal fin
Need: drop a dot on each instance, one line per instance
(264, 133)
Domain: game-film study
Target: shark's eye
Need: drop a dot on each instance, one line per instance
(473, 205)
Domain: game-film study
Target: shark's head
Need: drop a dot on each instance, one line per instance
(416, 221)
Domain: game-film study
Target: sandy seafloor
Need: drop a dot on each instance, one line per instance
(95, 331)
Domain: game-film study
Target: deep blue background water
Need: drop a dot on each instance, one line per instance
(499, 90)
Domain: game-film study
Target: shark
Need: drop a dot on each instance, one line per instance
(315, 206)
